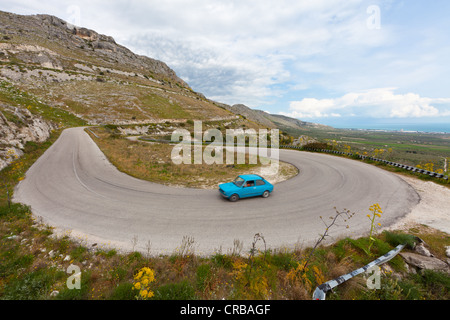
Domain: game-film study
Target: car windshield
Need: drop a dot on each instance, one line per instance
(238, 181)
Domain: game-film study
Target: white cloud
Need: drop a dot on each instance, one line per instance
(377, 103)
(260, 52)
(312, 108)
(238, 51)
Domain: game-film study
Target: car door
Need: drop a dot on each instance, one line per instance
(248, 189)
(260, 187)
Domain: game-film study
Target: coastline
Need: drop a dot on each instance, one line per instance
(443, 129)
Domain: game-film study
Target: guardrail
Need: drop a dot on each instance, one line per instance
(321, 291)
(362, 157)
(92, 132)
(394, 164)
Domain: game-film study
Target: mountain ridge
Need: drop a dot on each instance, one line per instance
(272, 120)
(36, 50)
(79, 37)
(54, 74)
(91, 76)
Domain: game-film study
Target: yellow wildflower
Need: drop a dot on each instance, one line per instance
(142, 282)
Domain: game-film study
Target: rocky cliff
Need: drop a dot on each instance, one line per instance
(91, 76)
(53, 73)
(271, 120)
(17, 127)
(52, 32)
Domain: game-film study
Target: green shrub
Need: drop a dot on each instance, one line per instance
(17, 209)
(390, 290)
(111, 253)
(434, 282)
(222, 260)
(117, 274)
(32, 286)
(111, 127)
(78, 252)
(134, 256)
(283, 260)
(11, 264)
(202, 276)
(63, 244)
(395, 239)
(410, 290)
(379, 247)
(341, 249)
(175, 291)
(77, 294)
(124, 291)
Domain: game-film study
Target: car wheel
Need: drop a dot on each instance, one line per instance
(265, 194)
(234, 198)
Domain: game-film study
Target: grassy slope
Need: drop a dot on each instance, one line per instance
(33, 265)
(407, 148)
(13, 96)
(152, 162)
(29, 271)
(96, 87)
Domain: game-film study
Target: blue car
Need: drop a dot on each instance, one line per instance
(245, 186)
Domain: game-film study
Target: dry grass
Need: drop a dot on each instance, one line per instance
(34, 264)
(108, 100)
(152, 162)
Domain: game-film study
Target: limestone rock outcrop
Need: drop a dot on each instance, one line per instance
(21, 127)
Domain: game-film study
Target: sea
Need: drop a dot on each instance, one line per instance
(428, 127)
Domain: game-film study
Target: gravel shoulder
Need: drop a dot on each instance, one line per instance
(433, 209)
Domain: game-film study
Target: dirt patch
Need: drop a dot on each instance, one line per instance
(153, 162)
(433, 209)
(284, 172)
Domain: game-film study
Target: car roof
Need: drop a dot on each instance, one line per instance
(250, 177)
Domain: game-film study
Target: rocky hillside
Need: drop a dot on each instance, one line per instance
(54, 74)
(91, 76)
(17, 127)
(42, 37)
(271, 120)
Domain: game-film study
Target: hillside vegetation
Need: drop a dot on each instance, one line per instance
(54, 75)
(430, 151)
(35, 265)
(91, 76)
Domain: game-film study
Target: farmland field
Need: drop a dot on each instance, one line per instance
(408, 148)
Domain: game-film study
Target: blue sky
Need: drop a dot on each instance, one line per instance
(337, 62)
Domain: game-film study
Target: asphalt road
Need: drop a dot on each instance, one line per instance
(74, 187)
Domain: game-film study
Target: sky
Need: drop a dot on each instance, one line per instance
(345, 63)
